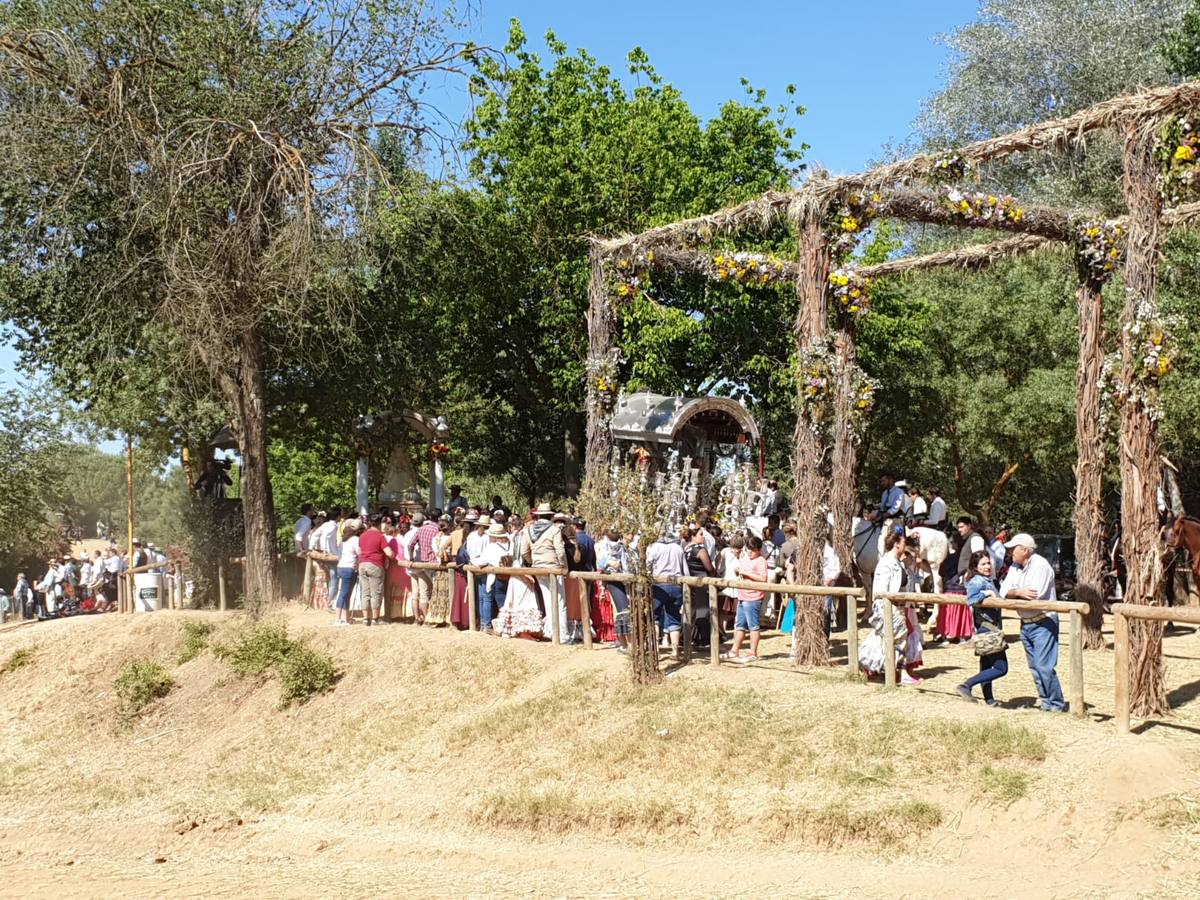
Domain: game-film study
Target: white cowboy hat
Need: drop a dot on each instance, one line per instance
(485, 520)
(497, 530)
(543, 509)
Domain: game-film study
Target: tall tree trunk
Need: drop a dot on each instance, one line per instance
(571, 449)
(258, 511)
(843, 486)
(1139, 442)
(810, 647)
(1089, 470)
(602, 337)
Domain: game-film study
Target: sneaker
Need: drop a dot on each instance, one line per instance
(746, 659)
(905, 678)
(965, 692)
(992, 702)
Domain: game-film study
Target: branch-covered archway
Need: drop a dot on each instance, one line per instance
(827, 216)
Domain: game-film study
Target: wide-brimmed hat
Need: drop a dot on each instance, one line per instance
(471, 517)
(484, 520)
(543, 509)
(497, 530)
(561, 517)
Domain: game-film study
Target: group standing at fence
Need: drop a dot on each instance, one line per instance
(394, 566)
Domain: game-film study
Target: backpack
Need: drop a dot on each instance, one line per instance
(463, 558)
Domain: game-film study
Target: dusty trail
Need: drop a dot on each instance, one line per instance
(392, 783)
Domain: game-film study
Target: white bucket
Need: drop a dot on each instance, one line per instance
(147, 591)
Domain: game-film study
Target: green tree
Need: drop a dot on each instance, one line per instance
(977, 387)
(194, 168)
(32, 448)
(559, 152)
(1025, 61)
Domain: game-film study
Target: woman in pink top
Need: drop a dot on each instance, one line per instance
(752, 568)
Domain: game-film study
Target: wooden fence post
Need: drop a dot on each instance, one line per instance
(1121, 653)
(306, 586)
(586, 589)
(120, 593)
(851, 632)
(472, 602)
(889, 644)
(1077, 704)
(714, 625)
(554, 624)
(221, 585)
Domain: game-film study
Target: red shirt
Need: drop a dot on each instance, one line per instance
(370, 547)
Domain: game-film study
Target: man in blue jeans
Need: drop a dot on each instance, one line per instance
(665, 557)
(1031, 578)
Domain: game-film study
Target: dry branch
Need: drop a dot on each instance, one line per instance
(773, 207)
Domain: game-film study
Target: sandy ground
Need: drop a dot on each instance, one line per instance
(366, 818)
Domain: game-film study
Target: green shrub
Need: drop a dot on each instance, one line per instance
(263, 647)
(140, 682)
(195, 640)
(302, 671)
(19, 660)
(305, 672)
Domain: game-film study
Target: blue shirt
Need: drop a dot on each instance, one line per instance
(891, 501)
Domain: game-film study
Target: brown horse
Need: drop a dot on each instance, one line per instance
(1183, 534)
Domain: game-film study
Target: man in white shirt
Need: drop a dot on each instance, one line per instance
(323, 540)
(1031, 577)
(891, 500)
(918, 509)
(936, 518)
(303, 527)
(972, 543)
(831, 569)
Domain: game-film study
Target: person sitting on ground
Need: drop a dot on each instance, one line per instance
(753, 568)
(992, 666)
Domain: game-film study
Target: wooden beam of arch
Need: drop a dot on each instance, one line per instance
(773, 207)
(978, 256)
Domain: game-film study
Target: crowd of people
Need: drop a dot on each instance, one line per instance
(73, 584)
(365, 572)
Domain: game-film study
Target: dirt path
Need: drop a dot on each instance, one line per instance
(373, 790)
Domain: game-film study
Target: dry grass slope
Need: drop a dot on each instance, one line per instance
(446, 734)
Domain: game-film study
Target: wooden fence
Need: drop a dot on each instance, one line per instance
(1122, 613)
(173, 593)
(1076, 611)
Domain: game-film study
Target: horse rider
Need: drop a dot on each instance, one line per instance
(891, 501)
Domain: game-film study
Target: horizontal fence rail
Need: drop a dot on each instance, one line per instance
(1122, 613)
(1076, 611)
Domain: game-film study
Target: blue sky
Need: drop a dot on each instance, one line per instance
(861, 68)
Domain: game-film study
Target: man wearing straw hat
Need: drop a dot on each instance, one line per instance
(496, 553)
(543, 548)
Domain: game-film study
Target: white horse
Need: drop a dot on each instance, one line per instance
(932, 548)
